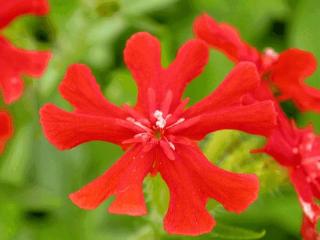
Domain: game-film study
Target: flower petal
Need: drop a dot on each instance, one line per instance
(80, 88)
(286, 136)
(6, 129)
(191, 59)
(288, 74)
(258, 118)
(11, 9)
(240, 81)
(311, 212)
(192, 179)
(142, 56)
(187, 213)
(309, 229)
(15, 63)
(66, 130)
(124, 179)
(225, 38)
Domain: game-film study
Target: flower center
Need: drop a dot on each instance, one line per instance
(154, 131)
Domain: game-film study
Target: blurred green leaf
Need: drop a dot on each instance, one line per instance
(223, 231)
(230, 150)
(16, 162)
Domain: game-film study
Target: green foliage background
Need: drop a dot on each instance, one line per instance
(35, 178)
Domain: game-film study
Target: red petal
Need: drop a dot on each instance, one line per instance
(187, 213)
(191, 179)
(240, 81)
(225, 38)
(142, 56)
(288, 74)
(14, 8)
(299, 180)
(80, 88)
(309, 229)
(6, 129)
(124, 179)
(14, 64)
(66, 130)
(286, 136)
(189, 63)
(258, 118)
(311, 212)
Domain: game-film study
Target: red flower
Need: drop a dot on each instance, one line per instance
(160, 134)
(6, 129)
(286, 71)
(300, 148)
(14, 62)
(300, 153)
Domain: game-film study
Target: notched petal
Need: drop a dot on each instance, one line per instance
(66, 130)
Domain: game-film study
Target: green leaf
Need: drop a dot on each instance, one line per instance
(223, 231)
(16, 162)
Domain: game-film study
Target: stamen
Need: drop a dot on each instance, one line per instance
(170, 143)
(182, 124)
(136, 115)
(270, 52)
(167, 150)
(168, 116)
(132, 120)
(309, 146)
(143, 136)
(295, 150)
(181, 120)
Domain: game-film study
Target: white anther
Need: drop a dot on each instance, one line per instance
(270, 52)
(161, 122)
(295, 150)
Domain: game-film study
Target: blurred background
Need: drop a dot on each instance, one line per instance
(36, 178)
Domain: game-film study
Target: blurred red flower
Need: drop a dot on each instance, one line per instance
(15, 62)
(300, 153)
(6, 129)
(296, 149)
(273, 66)
(160, 134)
